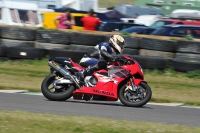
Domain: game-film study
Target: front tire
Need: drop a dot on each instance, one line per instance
(136, 102)
(56, 95)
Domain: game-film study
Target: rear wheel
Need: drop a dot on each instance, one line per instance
(56, 93)
(137, 98)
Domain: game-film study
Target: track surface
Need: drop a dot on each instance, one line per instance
(115, 110)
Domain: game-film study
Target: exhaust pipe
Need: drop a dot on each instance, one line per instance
(64, 81)
(63, 71)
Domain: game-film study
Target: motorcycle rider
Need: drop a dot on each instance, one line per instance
(101, 54)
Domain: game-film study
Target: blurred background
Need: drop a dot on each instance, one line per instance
(141, 17)
(162, 35)
(37, 27)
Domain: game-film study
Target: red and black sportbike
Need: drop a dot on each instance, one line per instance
(123, 80)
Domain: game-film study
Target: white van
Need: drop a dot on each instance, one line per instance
(185, 13)
(20, 14)
(146, 20)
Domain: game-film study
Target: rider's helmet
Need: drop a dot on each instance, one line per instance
(117, 42)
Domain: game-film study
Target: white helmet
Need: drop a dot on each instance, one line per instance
(117, 43)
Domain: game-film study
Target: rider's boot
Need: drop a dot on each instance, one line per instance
(90, 69)
(81, 75)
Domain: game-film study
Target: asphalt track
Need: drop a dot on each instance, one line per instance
(114, 110)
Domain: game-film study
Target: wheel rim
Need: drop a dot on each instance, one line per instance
(53, 88)
(135, 96)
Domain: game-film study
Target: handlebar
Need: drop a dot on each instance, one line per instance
(124, 61)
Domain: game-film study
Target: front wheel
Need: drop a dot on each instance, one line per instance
(56, 93)
(137, 98)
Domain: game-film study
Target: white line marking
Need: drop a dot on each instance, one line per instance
(150, 103)
(13, 91)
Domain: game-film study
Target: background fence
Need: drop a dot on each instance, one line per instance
(151, 53)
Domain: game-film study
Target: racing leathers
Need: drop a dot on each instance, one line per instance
(96, 59)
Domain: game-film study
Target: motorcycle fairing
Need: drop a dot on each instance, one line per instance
(136, 71)
(133, 70)
(63, 60)
(106, 86)
(77, 66)
(67, 61)
(137, 81)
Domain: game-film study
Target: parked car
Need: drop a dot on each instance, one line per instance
(115, 26)
(160, 23)
(178, 31)
(169, 21)
(139, 30)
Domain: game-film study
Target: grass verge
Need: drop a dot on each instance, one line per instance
(21, 122)
(167, 86)
(108, 3)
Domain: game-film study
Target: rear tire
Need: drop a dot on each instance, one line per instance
(129, 103)
(55, 96)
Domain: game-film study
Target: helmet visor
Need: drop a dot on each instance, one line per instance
(120, 44)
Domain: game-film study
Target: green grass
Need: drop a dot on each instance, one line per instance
(194, 74)
(24, 122)
(189, 37)
(167, 85)
(108, 3)
(126, 33)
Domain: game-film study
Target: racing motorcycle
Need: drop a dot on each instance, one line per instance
(122, 79)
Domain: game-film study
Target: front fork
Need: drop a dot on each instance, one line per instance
(132, 86)
(133, 82)
(133, 91)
